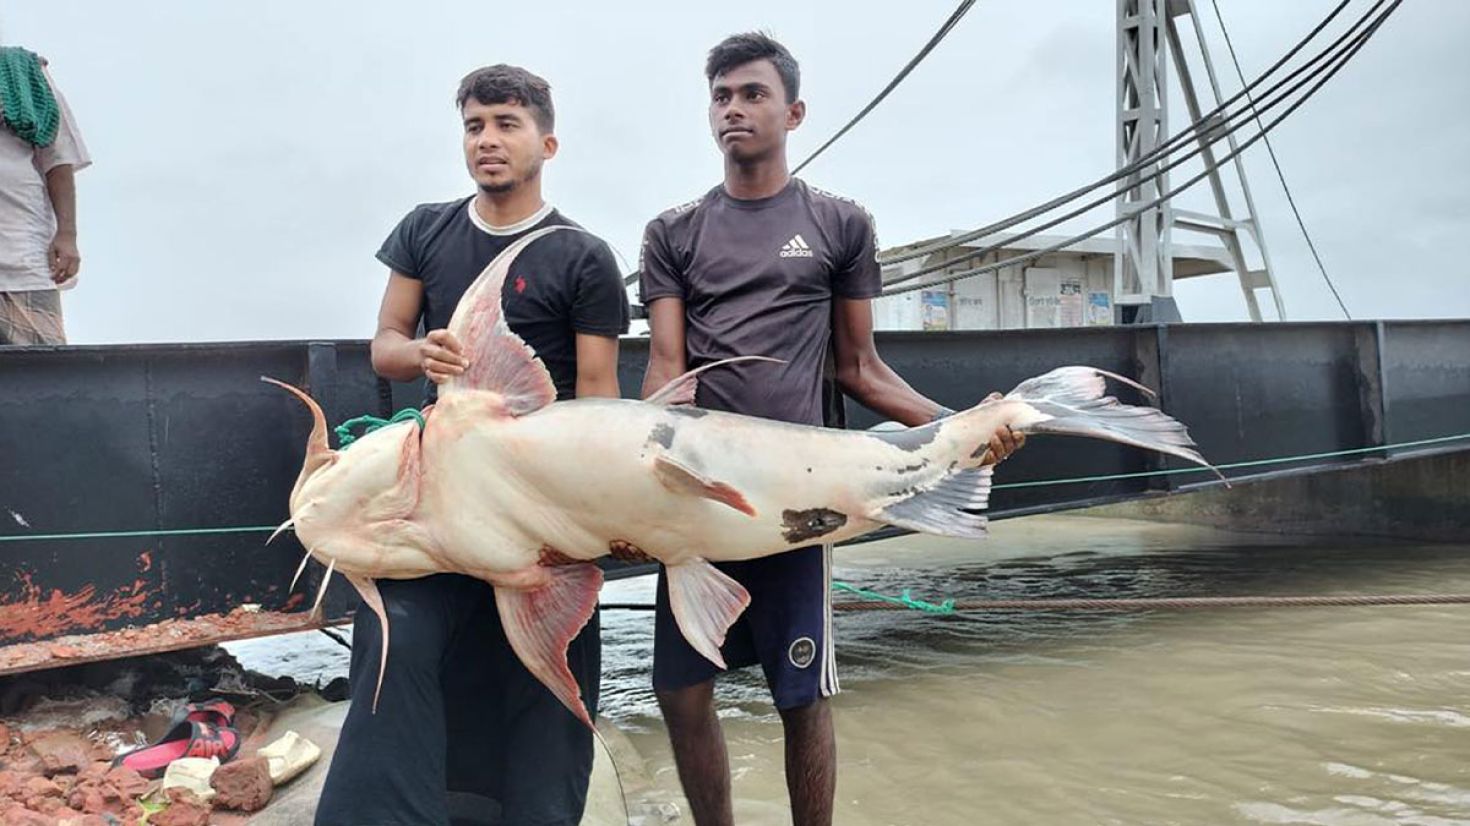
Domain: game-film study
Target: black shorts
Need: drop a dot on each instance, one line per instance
(463, 734)
(787, 628)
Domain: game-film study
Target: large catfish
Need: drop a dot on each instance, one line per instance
(505, 484)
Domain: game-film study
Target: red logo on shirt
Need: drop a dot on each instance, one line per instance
(520, 284)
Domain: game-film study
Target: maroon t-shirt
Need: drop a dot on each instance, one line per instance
(757, 279)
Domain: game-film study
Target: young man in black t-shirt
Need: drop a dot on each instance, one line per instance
(767, 265)
(463, 733)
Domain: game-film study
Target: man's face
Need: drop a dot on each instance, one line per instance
(503, 147)
(748, 113)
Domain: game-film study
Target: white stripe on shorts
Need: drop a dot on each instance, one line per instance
(829, 684)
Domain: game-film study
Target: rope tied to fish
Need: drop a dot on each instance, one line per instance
(346, 437)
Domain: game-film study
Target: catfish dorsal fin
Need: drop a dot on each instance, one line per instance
(680, 389)
(499, 360)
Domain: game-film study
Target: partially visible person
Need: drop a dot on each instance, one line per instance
(40, 153)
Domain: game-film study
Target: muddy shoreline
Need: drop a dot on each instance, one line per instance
(61, 728)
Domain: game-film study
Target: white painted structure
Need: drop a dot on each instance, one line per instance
(1072, 287)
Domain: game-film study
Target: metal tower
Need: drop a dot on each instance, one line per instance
(1143, 279)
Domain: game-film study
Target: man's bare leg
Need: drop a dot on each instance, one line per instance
(699, 752)
(811, 763)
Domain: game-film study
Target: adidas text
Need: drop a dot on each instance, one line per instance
(796, 248)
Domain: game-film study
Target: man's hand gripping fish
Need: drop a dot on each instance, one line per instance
(510, 486)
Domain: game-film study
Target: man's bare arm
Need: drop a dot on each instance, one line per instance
(396, 354)
(863, 375)
(597, 366)
(63, 256)
(667, 359)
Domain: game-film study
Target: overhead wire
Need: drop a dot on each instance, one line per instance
(1331, 53)
(890, 289)
(948, 26)
(1335, 66)
(1327, 71)
(1281, 176)
(1192, 131)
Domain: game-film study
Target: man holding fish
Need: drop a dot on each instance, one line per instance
(462, 733)
(765, 264)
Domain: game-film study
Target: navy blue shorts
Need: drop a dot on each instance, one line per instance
(787, 629)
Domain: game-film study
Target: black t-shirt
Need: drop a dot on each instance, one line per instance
(561, 285)
(757, 279)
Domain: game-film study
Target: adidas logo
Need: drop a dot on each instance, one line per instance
(796, 248)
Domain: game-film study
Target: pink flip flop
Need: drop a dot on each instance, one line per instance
(188, 738)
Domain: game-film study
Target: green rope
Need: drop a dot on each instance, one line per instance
(344, 430)
(403, 415)
(946, 607)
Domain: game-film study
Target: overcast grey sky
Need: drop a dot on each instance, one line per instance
(250, 157)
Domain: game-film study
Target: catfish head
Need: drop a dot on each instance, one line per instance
(352, 508)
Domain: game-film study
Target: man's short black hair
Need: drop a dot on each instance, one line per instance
(510, 84)
(740, 49)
